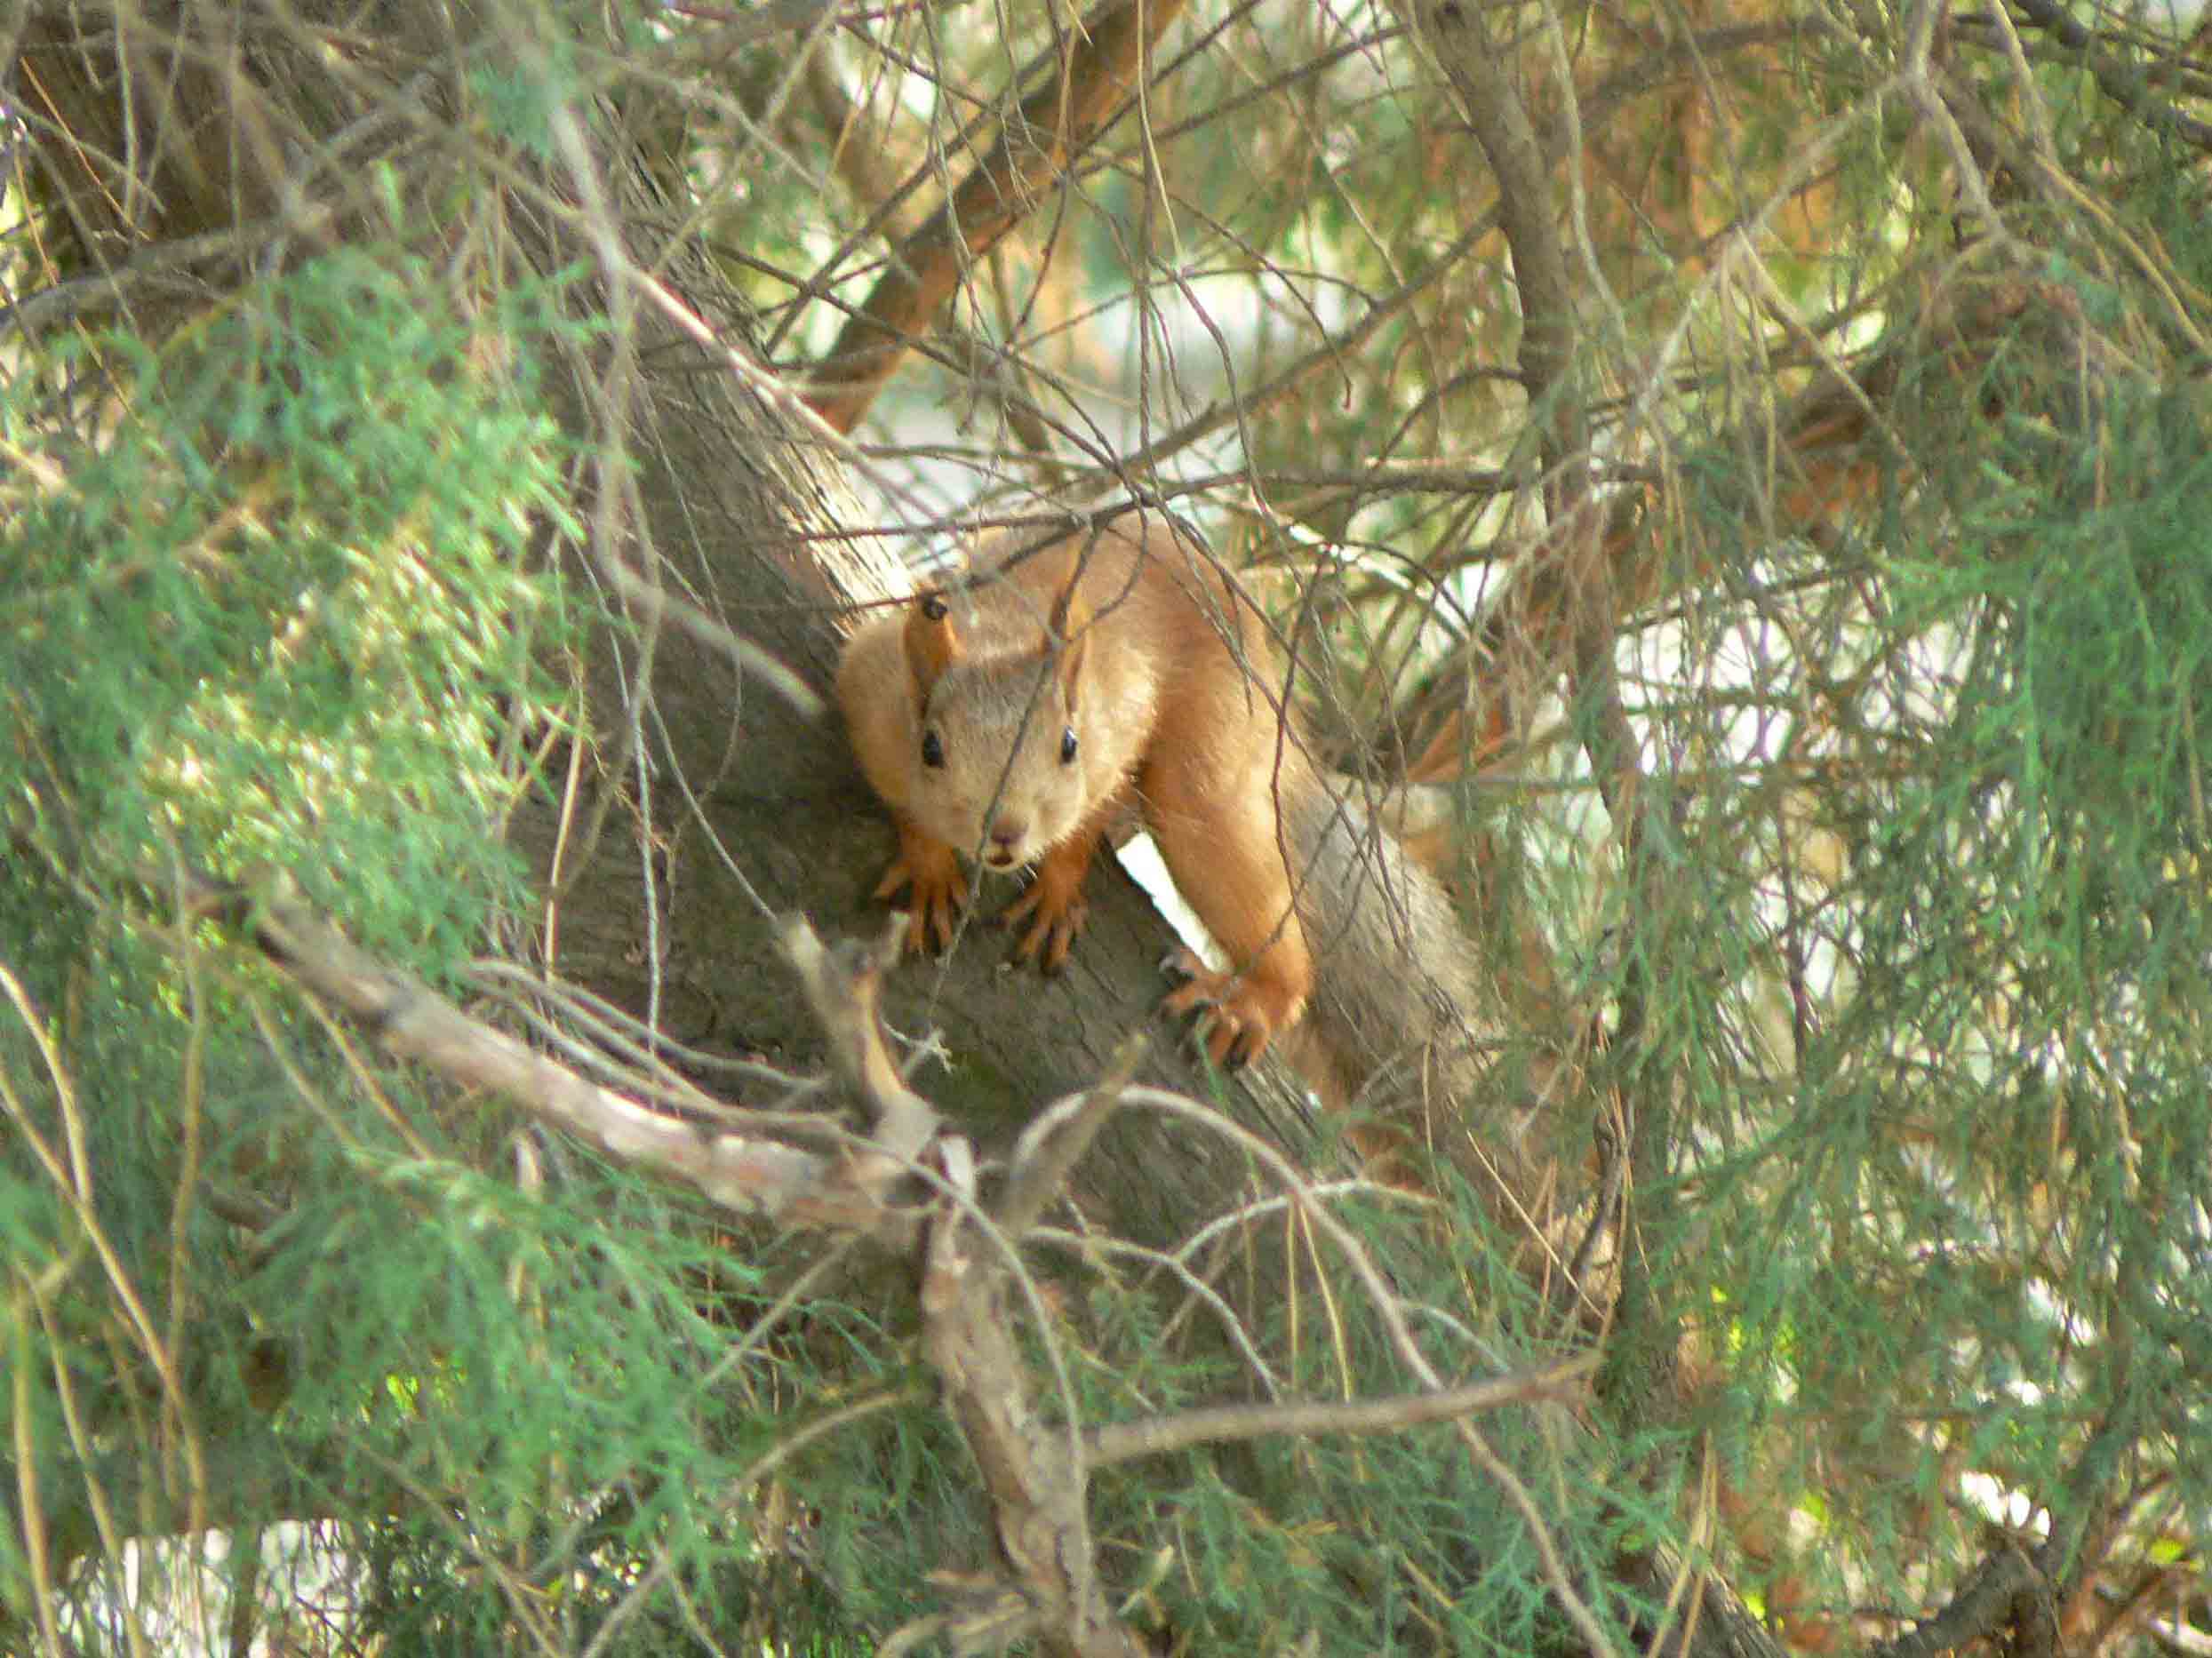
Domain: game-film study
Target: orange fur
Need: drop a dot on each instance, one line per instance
(1014, 719)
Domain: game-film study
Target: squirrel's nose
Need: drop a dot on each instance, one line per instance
(1006, 834)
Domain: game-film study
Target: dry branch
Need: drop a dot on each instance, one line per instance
(1052, 127)
(746, 1173)
(1121, 1442)
(1035, 1473)
(1031, 1471)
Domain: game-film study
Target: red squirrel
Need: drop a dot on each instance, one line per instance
(1016, 717)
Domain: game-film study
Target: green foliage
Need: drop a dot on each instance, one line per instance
(1958, 1228)
(1393, 1542)
(1882, 1007)
(273, 617)
(286, 611)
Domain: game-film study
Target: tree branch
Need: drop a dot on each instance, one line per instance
(1124, 1441)
(746, 1173)
(1036, 1481)
(2006, 1589)
(1053, 124)
(2125, 84)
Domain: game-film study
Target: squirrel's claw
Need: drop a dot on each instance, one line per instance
(1055, 909)
(937, 889)
(1229, 1018)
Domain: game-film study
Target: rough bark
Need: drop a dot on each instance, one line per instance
(736, 501)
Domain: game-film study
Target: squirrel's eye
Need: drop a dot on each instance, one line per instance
(932, 751)
(1067, 747)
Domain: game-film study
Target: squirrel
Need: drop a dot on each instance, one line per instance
(1018, 716)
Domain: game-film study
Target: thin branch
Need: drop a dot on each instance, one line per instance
(1034, 148)
(1123, 1441)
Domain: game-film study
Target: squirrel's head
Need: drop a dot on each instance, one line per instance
(1000, 770)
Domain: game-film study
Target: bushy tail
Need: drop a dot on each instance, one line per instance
(1398, 1007)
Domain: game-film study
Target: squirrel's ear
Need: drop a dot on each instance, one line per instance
(932, 641)
(1070, 636)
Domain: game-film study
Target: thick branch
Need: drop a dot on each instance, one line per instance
(1481, 75)
(2006, 1589)
(1036, 1481)
(747, 1173)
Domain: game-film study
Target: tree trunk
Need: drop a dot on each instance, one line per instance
(741, 808)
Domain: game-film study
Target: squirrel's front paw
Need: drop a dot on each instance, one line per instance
(1237, 1017)
(1055, 908)
(932, 871)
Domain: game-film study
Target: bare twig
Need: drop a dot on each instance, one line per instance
(843, 986)
(1052, 125)
(1121, 1441)
(1052, 1144)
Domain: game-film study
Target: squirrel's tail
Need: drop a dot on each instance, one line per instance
(1397, 1009)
